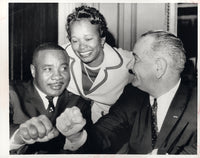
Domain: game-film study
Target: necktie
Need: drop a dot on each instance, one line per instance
(154, 126)
(51, 107)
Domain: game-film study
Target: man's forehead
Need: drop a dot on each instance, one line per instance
(50, 52)
(46, 51)
(144, 43)
(44, 55)
(146, 40)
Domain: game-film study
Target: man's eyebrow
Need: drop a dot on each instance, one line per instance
(65, 62)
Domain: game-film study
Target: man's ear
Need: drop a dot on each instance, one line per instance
(32, 68)
(161, 67)
(103, 40)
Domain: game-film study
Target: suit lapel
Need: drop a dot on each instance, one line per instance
(172, 118)
(34, 103)
(108, 65)
(60, 106)
(140, 141)
(76, 74)
(35, 106)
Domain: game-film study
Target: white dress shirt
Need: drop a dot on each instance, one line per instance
(163, 103)
(44, 99)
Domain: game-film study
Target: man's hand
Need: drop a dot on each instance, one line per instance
(70, 122)
(36, 129)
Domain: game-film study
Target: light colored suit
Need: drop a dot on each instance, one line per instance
(113, 76)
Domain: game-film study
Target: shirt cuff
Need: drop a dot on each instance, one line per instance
(13, 144)
(76, 144)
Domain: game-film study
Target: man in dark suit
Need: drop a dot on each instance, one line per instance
(157, 117)
(35, 105)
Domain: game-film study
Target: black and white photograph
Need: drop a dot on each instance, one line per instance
(108, 79)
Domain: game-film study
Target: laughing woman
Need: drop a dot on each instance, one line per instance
(98, 71)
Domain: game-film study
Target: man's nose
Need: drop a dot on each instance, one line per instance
(57, 75)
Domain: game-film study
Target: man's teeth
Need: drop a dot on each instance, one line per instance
(56, 87)
(85, 53)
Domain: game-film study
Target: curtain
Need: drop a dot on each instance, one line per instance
(30, 24)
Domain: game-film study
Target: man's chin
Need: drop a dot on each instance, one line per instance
(56, 92)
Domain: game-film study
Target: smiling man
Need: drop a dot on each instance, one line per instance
(158, 114)
(35, 105)
(50, 70)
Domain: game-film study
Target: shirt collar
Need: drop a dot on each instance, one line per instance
(167, 96)
(163, 104)
(44, 99)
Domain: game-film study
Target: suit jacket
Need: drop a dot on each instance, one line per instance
(129, 120)
(30, 105)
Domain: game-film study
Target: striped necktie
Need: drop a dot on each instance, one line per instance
(51, 107)
(154, 126)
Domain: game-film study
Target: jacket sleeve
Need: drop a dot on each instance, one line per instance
(16, 115)
(14, 112)
(110, 133)
(113, 130)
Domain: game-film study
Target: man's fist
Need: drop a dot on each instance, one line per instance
(36, 129)
(70, 122)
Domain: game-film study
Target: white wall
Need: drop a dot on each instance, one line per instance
(149, 17)
(64, 9)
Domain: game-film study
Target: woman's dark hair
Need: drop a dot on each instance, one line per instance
(90, 13)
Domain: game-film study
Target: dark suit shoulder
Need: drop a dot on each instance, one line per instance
(189, 92)
(128, 105)
(191, 104)
(21, 87)
(186, 100)
(131, 98)
(78, 101)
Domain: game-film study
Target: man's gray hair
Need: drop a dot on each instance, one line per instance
(169, 46)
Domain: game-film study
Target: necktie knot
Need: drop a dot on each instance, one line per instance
(155, 104)
(49, 98)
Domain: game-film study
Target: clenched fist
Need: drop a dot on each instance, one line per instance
(70, 122)
(36, 129)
